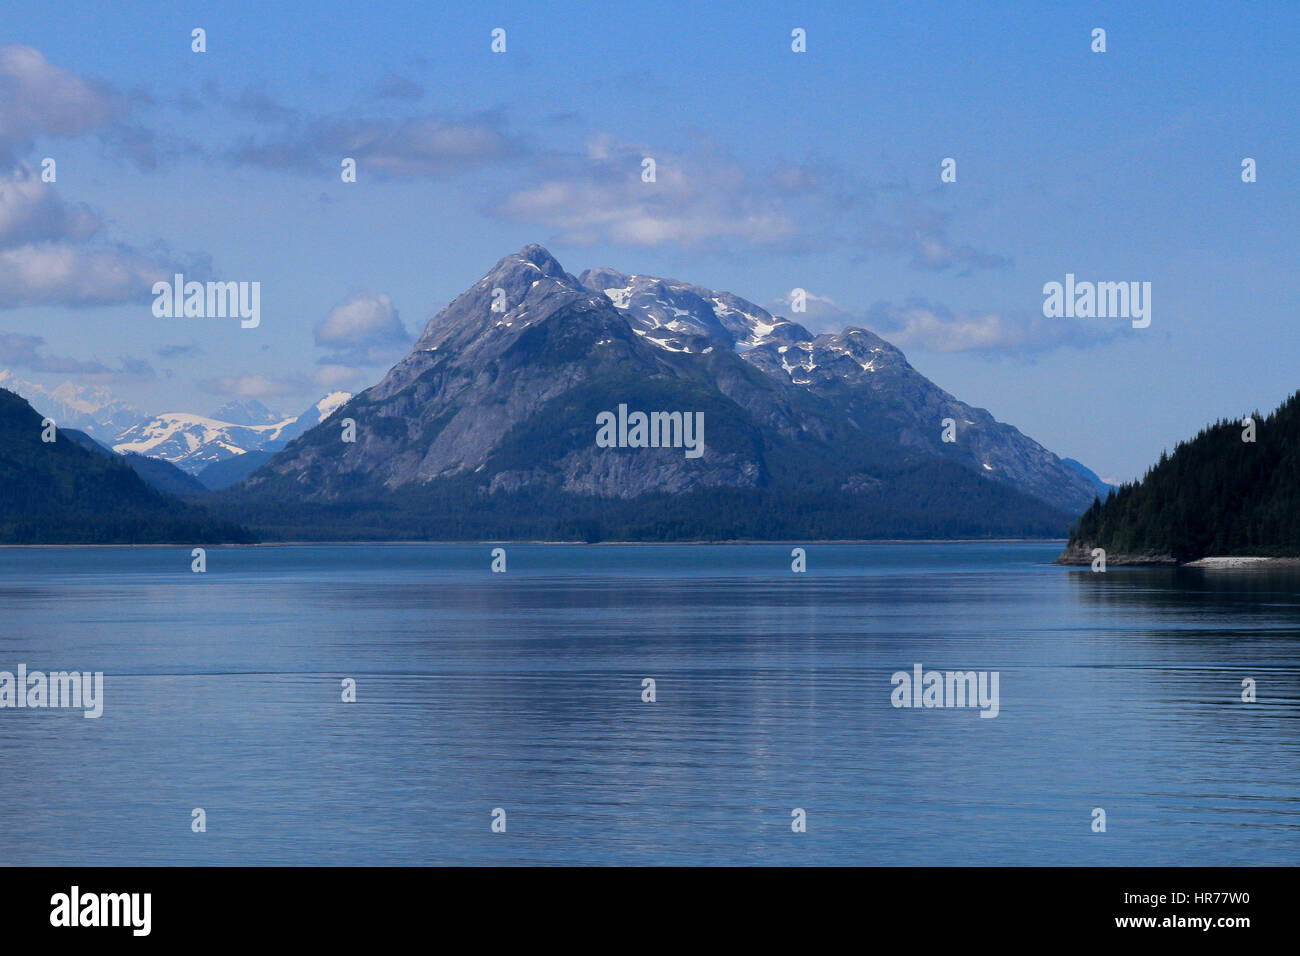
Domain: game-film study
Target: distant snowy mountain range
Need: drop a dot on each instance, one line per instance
(190, 442)
(92, 410)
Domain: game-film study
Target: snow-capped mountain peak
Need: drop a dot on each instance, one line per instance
(328, 405)
(481, 393)
(682, 317)
(248, 412)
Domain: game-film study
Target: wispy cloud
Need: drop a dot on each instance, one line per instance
(415, 147)
(340, 376)
(706, 197)
(252, 386)
(25, 351)
(601, 197)
(177, 351)
(821, 313)
(918, 323)
(921, 233)
(397, 87)
(922, 324)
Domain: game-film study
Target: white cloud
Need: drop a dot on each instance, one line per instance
(821, 313)
(49, 254)
(604, 199)
(364, 330)
(425, 146)
(708, 198)
(334, 376)
(918, 323)
(250, 386)
(30, 211)
(367, 318)
(53, 273)
(38, 98)
(921, 324)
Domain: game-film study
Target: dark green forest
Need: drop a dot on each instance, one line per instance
(1215, 495)
(61, 493)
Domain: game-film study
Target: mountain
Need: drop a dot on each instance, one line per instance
(92, 410)
(231, 471)
(1216, 495)
(191, 442)
(84, 440)
(251, 412)
(688, 318)
(164, 476)
(63, 493)
(195, 442)
(487, 429)
(855, 369)
(313, 416)
(1102, 488)
(156, 473)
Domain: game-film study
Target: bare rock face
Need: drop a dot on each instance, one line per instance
(501, 394)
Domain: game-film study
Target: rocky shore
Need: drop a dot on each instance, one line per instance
(1243, 562)
(1081, 554)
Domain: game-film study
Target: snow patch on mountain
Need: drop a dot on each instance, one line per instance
(718, 318)
(192, 442)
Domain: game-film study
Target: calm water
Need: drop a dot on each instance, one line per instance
(523, 691)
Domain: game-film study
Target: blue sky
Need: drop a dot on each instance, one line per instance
(776, 170)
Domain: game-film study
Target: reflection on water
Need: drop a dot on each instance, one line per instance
(523, 691)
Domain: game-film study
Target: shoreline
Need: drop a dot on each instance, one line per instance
(1242, 563)
(797, 542)
(1081, 556)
